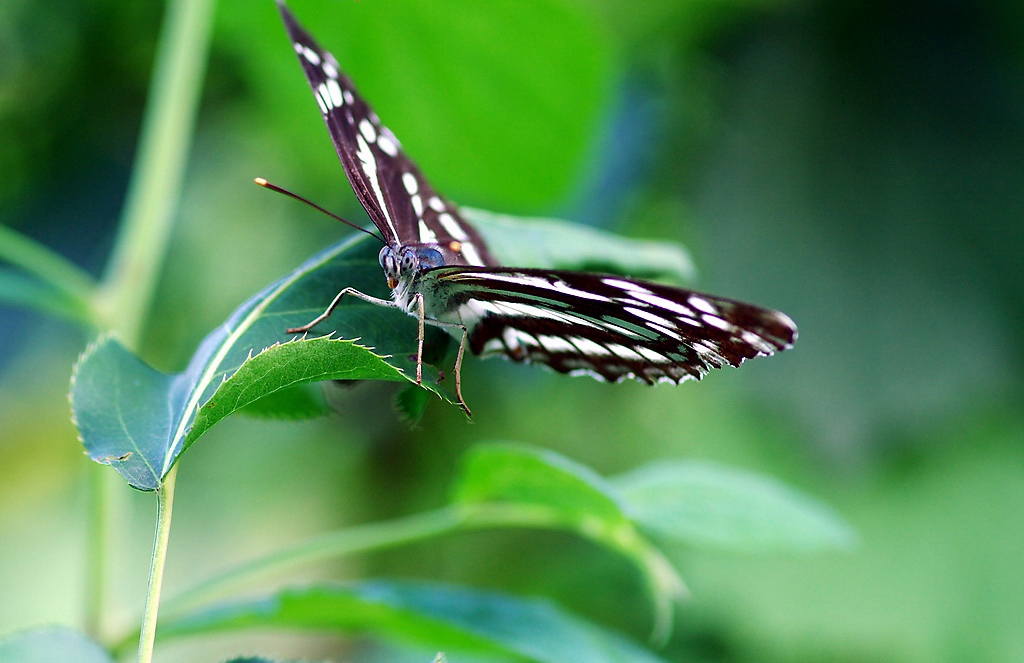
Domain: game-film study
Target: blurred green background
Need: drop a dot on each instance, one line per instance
(857, 165)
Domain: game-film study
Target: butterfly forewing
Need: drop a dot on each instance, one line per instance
(399, 200)
(610, 327)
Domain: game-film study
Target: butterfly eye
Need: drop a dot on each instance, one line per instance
(386, 258)
(409, 260)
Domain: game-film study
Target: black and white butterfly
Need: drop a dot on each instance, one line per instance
(440, 271)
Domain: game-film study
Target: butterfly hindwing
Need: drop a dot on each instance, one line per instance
(399, 200)
(608, 326)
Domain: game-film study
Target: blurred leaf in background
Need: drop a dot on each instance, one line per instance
(857, 166)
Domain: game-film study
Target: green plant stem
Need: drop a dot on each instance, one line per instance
(102, 483)
(123, 301)
(379, 536)
(155, 187)
(361, 539)
(410, 529)
(47, 266)
(165, 504)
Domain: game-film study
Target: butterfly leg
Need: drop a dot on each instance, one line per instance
(458, 372)
(422, 319)
(458, 358)
(334, 304)
(421, 316)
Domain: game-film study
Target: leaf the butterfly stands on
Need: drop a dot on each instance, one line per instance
(440, 271)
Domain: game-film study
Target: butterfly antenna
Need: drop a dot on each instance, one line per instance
(273, 187)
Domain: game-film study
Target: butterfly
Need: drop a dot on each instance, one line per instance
(440, 271)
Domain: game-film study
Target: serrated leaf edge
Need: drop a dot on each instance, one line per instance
(205, 379)
(83, 356)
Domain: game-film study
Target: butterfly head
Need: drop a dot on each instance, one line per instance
(404, 262)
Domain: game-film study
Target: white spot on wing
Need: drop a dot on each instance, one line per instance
(320, 100)
(387, 145)
(298, 48)
(516, 337)
(650, 317)
(756, 342)
(325, 94)
(666, 331)
(475, 310)
(715, 321)
(544, 284)
(427, 235)
(652, 356)
(588, 347)
(417, 205)
(436, 204)
(335, 91)
(369, 133)
(661, 302)
(330, 70)
(510, 338)
(471, 255)
(625, 285)
(517, 309)
(556, 344)
(493, 345)
(703, 349)
(624, 352)
(311, 56)
(370, 169)
(410, 182)
(701, 304)
(453, 227)
(349, 99)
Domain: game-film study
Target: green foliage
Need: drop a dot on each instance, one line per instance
(447, 617)
(411, 403)
(43, 280)
(140, 420)
(556, 243)
(19, 289)
(574, 494)
(499, 486)
(552, 491)
(120, 404)
(469, 68)
(711, 506)
(51, 644)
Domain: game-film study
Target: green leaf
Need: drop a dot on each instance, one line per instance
(50, 644)
(140, 420)
(20, 289)
(527, 475)
(557, 244)
(411, 403)
(710, 506)
(557, 492)
(302, 402)
(444, 617)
